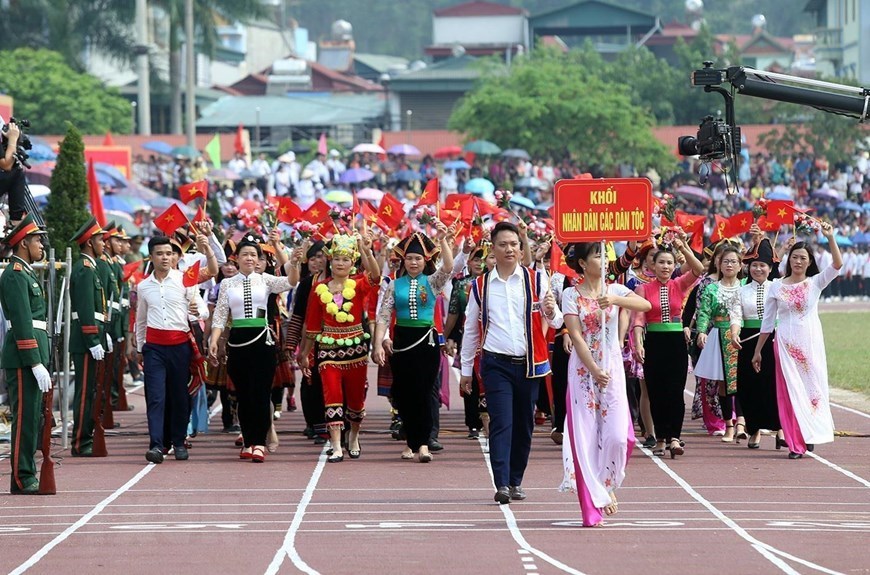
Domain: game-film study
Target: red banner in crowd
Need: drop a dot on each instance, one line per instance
(603, 209)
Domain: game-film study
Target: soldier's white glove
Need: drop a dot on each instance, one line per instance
(97, 352)
(109, 346)
(43, 378)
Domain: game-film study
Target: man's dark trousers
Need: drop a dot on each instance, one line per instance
(167, 371)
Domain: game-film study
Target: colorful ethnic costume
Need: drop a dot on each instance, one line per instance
(718, 359)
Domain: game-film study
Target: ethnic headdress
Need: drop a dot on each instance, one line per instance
(762, 252)
(342, 245)
(482, 250)
(417, 243)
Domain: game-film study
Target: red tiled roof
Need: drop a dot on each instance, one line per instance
(479, 9)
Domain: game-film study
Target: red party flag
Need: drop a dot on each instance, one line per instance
(95, 198)
(697, 243)
(170, 220)
(740, 223)
(193, 190)
(391, 211)
(780, 211)
(690, 224)
(720, 229)
(317, 213)
(429, 197)
(288, 211)
(128, 270)
(191, 275)
(558, 263)
(239, 142)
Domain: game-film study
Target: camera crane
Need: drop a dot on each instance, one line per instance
(718, 139)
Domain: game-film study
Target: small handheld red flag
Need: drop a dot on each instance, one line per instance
(170, 220)
(740, 223)
(288, 211)
(558, 263)
(129, 269)
(191, 275)
(199, 216)
(95, 198)
(391, 211)
(317, 213)
(780, 212)
(193, 190)
(239, 141)
(690, 224)
(720, 230)
(429, 197)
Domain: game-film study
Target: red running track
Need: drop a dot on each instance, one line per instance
(718, 508)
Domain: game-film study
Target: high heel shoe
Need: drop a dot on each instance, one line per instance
(793, 455)
(676, 448)
(726, 438)
(741, 434)
(780, 443)
(355, 453)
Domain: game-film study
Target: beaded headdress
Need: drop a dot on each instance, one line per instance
(342, 245)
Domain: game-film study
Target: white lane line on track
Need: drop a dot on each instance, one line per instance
(767, 551)
(288, 548)
(515, 532)
(850, 410)
(34, 559)
(836, 467)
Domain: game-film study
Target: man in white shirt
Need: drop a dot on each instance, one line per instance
(513, 359)
(238, 163)
(163, 339)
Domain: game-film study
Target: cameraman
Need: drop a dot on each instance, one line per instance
(11, 173)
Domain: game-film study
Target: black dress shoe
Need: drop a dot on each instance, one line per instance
(472, 434)
(435, 445)
(154, 455)
(516, 492)
(181, 453)
(793, 455)
(810, 447)
(319, 440)
(502, 495)
(335, 459)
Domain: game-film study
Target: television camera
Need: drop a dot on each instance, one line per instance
(719, 139)
(24, 143)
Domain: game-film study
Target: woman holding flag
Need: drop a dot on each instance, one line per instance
(598, 424)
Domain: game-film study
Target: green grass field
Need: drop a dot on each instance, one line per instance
(846, 344)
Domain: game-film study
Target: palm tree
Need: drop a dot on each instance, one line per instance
(208, 15)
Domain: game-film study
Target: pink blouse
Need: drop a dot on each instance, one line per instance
(673, 293)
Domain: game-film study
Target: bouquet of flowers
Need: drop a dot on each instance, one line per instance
(426, 216)
(268, 219)
(537, 230)
(807, 225)
(305, 229)
(503, 199)
(665, 207)
(668, 235)
(760, 208)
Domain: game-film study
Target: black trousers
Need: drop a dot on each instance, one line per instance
(415, 372)
(311, 397)
(13, 183)
(757, 391)
(471, 402)
(559, 382)
(166, 397)
(229, 407)
(665, 369)
(252, 368)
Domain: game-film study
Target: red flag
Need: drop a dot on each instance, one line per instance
(191, 275)
(128, 270)
(780, 212)
(450, 216)
(697, 243)
(558, 263)
(95, 198)
(108, 141)
(382, 142)
(239, 142)
(720, 229)
(200, 215)
(740, 223)
(391, 211)
(193, 190)
(369, 214)
(321, 144)
(690, 224)
(476, 233)
(429, 197)
(170, 220)
(483, 207)
(354, 206)
(317, 213)
(288, 211)
(766, 225)
(456, 201)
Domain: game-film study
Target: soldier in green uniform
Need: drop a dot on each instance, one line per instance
(25, 350)
(118, 245)
(87, 333)
(110, 278)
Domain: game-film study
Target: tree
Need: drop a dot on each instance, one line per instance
(548, 105)
(67, 206)
(49, 93)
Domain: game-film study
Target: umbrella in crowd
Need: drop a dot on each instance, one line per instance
(112, 172)
(479, 186)
(338, 197)
(158, 147)
(861, 239)
(778, 195)
(406, 149)
(693, 193)
(369, 148)
(356, 175)
(866, 206)
(535, 183)
(371, 194)
(447, 152)
(516, 153)
(406, 176)
(185, 152)
(457, 165)
(223, 174)
(125, 204)
(851, 206)
(482, 147)
(826, 193)
(522, 201)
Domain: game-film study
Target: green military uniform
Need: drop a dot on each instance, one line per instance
(87, 331)
(119, 312)
(26, 344)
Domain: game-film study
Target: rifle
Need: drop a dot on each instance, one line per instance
(47, 485)
(99, 449)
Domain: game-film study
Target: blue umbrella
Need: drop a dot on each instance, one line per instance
(113, 173)
(41, 153)
(849, 206)
(456, 165)
(158, 147)
(407, 176)
(861, 239)
(866, 206)
(522, 201)
(479, 186)
(841, 240)
(356, 175)
(124, 204)
(777, 195)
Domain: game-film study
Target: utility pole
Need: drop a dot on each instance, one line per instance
(142, 69)
(190, 90)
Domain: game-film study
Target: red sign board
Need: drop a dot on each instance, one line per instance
(605, 209)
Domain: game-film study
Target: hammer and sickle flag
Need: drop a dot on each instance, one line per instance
(391, 212)
(193, 190)
(191, 275)
(720, 230)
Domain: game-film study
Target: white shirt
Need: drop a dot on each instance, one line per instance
(246, 297)
(749, 302)
(506, 330)
(164, 305)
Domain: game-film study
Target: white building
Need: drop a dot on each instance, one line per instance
(480, 28)
(842, 38)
